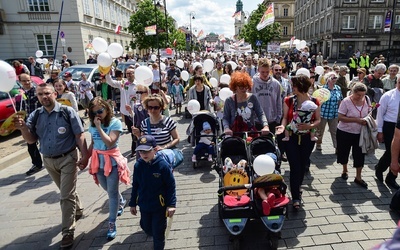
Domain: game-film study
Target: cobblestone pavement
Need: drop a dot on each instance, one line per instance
(337, 214)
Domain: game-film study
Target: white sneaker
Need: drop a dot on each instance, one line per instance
(194, 158)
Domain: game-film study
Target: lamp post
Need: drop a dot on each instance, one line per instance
(158, 42)
(191, 16)
(391, 28)
(166, 21)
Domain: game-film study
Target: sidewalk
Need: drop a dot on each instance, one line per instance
(336, 215)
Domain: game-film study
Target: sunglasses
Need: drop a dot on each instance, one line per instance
(98, 112)
(278, 70)
(141, 92)
(153, 107)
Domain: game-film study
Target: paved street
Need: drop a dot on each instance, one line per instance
(336, 215)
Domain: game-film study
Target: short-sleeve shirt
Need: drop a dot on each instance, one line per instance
(56, 135)
(348, 109)
(161, 131)
(329, 109)
(98, 144)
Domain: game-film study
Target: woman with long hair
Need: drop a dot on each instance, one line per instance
(64, 93)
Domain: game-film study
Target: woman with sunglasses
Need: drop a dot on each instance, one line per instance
(64, 93)
(161, 127)
(329, 110)
(107, 166)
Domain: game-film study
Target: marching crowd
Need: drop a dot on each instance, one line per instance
(268, 94)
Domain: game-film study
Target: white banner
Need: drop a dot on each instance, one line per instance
(274, 47)
(268, 18)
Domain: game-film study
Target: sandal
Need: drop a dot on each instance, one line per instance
(361, 182)
(345, 176)
(296, 204)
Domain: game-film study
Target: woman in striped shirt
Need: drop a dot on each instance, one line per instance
(161, 127)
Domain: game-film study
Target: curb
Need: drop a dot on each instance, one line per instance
(13, 158)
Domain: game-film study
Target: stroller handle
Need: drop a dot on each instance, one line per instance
(251, 186)
(246, 133)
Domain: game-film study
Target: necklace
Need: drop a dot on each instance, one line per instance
(358, 109)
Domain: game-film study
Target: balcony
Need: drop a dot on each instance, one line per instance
(40, 16)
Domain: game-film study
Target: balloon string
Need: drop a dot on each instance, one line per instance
(12, 102)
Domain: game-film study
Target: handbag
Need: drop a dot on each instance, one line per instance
(174, 157)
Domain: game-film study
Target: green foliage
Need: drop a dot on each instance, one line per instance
(146, 15)
(180, 40)
(250, 32)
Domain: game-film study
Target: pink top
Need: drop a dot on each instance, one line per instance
(348, 109)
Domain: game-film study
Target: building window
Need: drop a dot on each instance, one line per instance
(349, 22)
(285, 12)
(317, 6)
(374, 22)
(112, 12)
(86, 7)
(285, 30)
(373, 43)
(328, 23)
(397, 22)
(105, 11)
(45, 44)
(329, 3)
(96, 8)
(90, 38)
(38, 5)
(377, 1)
(350, 1)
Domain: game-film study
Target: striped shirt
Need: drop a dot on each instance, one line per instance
(161, 131)
(329, 109)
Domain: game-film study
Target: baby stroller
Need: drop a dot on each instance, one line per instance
(245, 204)
(194, 129)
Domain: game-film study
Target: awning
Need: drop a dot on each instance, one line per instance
(354, 39)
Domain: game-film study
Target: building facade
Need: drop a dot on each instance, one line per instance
(284, 11)
(338, 28)
(28, 26)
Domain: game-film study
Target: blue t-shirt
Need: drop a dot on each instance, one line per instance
(98, 144)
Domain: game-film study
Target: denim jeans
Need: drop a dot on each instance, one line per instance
(154, 224)
(202, 146)
(111, 185)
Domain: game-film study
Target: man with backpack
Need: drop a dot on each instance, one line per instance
(59, 131)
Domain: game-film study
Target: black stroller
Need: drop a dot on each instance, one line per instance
(194, 130)
(246, 203)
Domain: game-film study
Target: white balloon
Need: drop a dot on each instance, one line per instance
(180, 63)
(213, 55)
(144, 75)
(224, 93)
(225, 78)
(104, 59)
(39, 53)
(264, 164)
(115, 50)
(197, 64)
(88, 50)
(256, 56)
(99, 45)
(298, 46)
(185, 75)
(7, 76)
(303, 44)
(222, 59)
(208, 65)
(296, 41)
(153, 57)
(163, 66)
(193, 106)
(319, 70)
(214, 82)
(193, 54)
(233, 64)
(45, 61)
(303, 71)
(39, 60)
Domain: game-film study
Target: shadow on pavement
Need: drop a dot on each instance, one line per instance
(27, 182)
(38, 240)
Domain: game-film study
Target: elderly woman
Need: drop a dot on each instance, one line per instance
(361, 73)
(243, 104)
(299, 146)
(201, 93)
(161, 127)
(352, 110)
(329, 109)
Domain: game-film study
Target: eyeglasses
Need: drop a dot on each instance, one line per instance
(129, 73)
(241, 86)
(98, 112)
(45, 93)
(277, 69)
(141, 92)
(153, 107)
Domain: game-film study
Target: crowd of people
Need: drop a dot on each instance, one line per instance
(268, 94)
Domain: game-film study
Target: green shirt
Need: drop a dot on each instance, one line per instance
(104, 91)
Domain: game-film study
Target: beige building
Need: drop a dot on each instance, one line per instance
(284, 14)
(28, 26)
(338, 28)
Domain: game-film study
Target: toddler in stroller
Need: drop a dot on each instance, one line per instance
(205, 142)
(302, 115)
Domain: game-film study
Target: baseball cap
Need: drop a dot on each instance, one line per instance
(67, 74)
(146, 143)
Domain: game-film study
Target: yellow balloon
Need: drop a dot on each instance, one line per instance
(64, 101)
(104, 70)
(8, 125)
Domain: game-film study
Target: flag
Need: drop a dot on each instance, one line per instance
(174, 43)
(150, 30)
(118, 29)
(221, 38)
(237, 15)
(291, 42)
(201, 33)
(268, 18)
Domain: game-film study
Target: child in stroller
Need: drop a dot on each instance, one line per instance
(205, 142)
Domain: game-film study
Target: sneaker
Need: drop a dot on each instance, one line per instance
(318, 147)
(210, 158)
(121, 207)
(194, 158)
(78, 214)
(112, 231)
(67, 240)
(34, 169)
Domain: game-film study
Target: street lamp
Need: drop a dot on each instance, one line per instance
(391, 28)
(157, 4)
(166, 21)
(191, 16)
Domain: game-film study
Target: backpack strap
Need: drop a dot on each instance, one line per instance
(148, 125)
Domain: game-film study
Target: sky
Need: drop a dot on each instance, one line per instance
(210, 15)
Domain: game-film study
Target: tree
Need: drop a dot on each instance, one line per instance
(180, 40)
(146, 16)
(250, 32)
